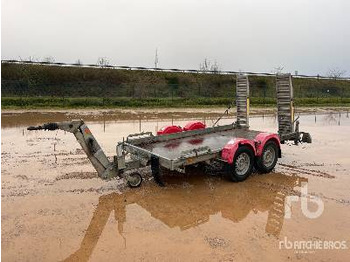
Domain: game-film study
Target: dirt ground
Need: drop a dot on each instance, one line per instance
(54, 207)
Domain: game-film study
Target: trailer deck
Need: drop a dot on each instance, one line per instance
(175, 151)
(215, 141)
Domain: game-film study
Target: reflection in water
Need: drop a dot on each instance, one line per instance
(331, 118)
(191, 205)
(104, 122)
(315, 118)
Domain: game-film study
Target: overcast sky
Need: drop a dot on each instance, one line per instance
(311, 36)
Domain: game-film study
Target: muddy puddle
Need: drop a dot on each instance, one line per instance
(55, 208)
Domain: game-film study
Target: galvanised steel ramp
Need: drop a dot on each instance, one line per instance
(285, 106)
(242, 100)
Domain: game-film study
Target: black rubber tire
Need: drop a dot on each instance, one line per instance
(306, 138)
(232, 175)
(157, 171)
(138, 176)
(259, 164)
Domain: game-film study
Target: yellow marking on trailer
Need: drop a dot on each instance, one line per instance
(247, 106)
(190, 160)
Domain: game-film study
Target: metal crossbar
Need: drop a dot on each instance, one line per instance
(190, 71)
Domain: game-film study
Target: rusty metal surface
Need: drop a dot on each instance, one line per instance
(172, 149)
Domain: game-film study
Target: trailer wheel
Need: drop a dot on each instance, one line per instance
(157, 171)
(242, 164)
(306, 138)
(134, 179)
(268, 159)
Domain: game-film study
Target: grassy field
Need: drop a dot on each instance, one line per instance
(97, 102)
(37, 86)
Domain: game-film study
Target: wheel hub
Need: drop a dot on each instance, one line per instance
(242, 164)
(269, 156)
(134, 179)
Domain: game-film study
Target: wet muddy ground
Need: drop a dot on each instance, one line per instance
(54, 207)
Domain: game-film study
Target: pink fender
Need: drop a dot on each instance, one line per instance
(229, 150)
(169, 130)
(194, 125)
(262, 138)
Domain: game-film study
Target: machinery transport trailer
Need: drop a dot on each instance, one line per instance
(234, 146)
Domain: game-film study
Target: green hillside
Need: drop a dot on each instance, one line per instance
(45, 86)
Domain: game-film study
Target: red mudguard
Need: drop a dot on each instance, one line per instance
(229, 150)
(257, 145)
(194, 125)
(169, 130)
(262, 138)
